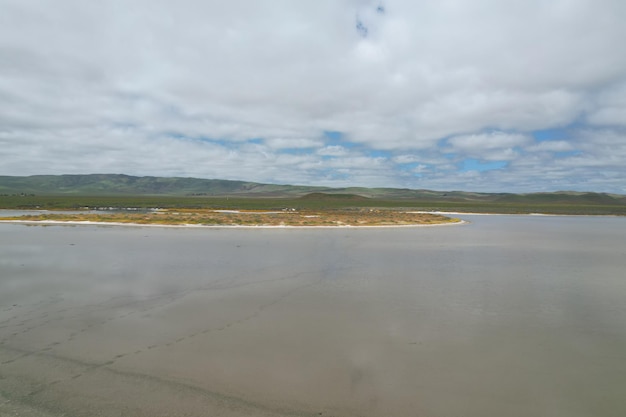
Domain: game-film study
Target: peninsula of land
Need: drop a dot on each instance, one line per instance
(251, 218)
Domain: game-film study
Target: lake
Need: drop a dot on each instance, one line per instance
(504, 316)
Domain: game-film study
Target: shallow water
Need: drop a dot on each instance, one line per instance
(505, 316)
(12, 213)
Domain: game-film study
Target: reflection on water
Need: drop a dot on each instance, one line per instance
(506, 316)
(13, 213)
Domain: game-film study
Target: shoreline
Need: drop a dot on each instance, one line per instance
(219, 226)
(463, 213)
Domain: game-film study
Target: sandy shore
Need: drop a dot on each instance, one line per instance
(455, 213)
(223, 226)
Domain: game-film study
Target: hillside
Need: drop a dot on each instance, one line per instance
(119, 184)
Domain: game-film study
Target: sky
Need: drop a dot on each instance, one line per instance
(481, 95)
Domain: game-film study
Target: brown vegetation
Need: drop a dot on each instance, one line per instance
(360, 217)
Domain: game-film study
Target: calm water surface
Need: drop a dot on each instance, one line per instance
(505, 316)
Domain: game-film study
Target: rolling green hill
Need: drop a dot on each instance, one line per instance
(118, 184)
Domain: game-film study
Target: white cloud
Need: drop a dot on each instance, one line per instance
(485, 141)
(610, 107)
(333, 150)
(293, 143)
(405, 159)
(495, 146)
(551, 146)
(126, 84)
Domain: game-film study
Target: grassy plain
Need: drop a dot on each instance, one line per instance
(319, 202)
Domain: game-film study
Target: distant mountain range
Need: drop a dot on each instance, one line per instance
(120, 185)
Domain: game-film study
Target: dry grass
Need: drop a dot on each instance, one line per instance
(363, 217)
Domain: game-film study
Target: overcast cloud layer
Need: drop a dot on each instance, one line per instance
(482, 95)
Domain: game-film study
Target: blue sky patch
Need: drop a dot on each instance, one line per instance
(549, 134)
(378, 154)
(338, 139)
(557, 133)
(475, 165)
(361, 28)
(293, 151)
(566, 154)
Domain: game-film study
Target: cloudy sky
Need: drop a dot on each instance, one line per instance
(480, 95)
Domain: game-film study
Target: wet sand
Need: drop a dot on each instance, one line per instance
(508, 315)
